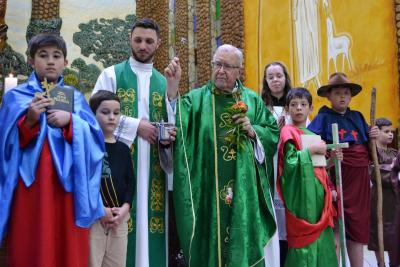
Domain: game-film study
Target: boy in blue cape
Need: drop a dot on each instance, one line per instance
(355, 178)
(50, 167)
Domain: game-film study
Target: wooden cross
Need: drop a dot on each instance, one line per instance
(339, 190)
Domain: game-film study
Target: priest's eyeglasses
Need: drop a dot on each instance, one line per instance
(218, 65)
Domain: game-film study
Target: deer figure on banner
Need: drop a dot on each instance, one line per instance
(337, 45)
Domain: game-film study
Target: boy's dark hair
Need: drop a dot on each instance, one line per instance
(46, 39)
(382, 122)
(266, 91)
(298, 92)
(146, 24)
(100, 96)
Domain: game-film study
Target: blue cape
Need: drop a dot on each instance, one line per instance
(78, 164)
(351, 125)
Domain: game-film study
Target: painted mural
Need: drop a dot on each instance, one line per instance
(315, 38)
(97, 36)
(308, 41)
(306, 35)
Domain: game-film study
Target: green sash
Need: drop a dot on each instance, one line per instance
(127, 92)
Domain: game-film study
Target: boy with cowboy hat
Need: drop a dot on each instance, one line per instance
(356, 182)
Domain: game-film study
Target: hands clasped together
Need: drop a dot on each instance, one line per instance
(114, 217)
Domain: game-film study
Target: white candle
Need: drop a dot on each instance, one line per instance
(10, 82)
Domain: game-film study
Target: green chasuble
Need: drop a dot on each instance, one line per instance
(304, 198)
(221, 193)
(127, 93)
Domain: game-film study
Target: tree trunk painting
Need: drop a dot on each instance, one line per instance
(3, 25)
(45, 17)
(158, 11)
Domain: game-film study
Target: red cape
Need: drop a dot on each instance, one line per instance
(301, 233)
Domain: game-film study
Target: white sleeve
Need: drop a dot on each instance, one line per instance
(126, 131)
(171, 111)
(259, 153)
(106, 81)
(171, 108)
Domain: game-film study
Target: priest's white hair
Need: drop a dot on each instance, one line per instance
(232, 49)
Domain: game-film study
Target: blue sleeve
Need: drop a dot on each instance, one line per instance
(364, 124)
(318, 126)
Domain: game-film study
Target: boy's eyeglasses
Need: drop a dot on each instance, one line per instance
(218, 65)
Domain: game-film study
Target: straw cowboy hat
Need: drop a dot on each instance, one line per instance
(339, 79)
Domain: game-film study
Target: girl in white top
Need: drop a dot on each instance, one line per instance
(276, 84)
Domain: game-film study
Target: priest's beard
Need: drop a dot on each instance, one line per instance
(141, 59)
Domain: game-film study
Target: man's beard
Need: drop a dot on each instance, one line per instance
(148, 59)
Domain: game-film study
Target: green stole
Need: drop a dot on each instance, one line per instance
(127, 93)
(222, 200)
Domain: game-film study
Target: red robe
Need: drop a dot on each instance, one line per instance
(356, 181)
(42, 230)
(356, 192)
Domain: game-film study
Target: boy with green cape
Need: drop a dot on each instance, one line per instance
(304, 190)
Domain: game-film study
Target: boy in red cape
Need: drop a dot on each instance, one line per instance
(304, 190)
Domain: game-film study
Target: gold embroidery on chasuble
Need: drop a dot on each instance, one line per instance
(157, 169)
(131, 222)
(154, 152)
(226, 119)
(227, 235)
(157, 101)
(131, 225)
(228, 153)
(127, 98)
(226, 193)
(157, 195)
(156, 225)
(132, 148)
